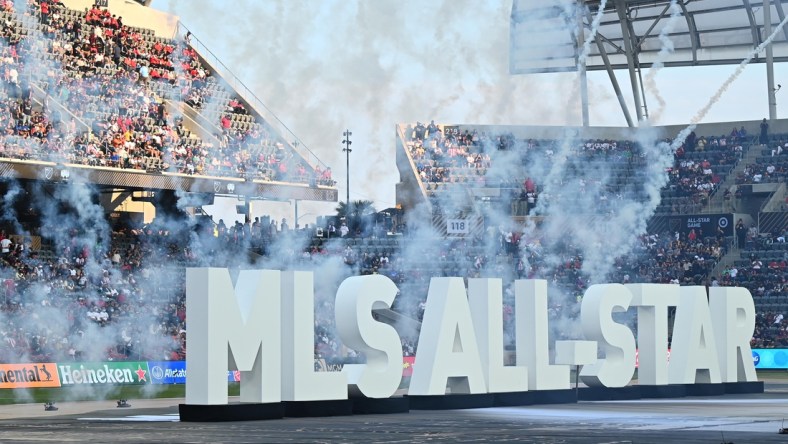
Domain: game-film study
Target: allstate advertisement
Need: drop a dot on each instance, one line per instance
(174, 372)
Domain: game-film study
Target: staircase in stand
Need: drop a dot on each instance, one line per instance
(717, 203)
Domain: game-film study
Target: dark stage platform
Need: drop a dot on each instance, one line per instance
(749, 418)
(305, 409)
(739, 418)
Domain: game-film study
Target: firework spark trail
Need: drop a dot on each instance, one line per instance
(724, 87)
(592, 35)
(664, 52)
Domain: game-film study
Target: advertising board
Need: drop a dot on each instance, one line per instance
(174, 372)
(42, 374)
(98, 373)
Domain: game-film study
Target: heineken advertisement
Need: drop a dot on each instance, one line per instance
(114, 373)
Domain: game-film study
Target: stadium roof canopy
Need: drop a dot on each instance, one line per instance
(548, 35)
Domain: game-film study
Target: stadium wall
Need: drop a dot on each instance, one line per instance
(720, 128)
(622, 133)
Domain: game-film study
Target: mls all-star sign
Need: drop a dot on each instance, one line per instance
(269, 314)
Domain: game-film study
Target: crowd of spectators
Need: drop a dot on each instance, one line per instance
(115, 288)
(107, 75)
(82, 302)
(770, 166)
(770, 330)
(761, 268)
(68, 300)
(700, 165)
(444, 156)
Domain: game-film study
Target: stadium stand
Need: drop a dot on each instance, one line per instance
(126, 94)
(117, 84)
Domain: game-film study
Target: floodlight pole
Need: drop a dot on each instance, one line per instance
(767, 31)
(581, 65)
(295, 224)
(346, 141)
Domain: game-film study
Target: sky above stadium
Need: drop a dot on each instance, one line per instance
(324, 66)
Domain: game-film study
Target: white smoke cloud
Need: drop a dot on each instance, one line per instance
(327, 66)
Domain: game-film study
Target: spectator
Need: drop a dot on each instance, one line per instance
(741, 233)
(764, 136)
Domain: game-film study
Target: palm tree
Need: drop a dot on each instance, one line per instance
(354, 216)
(342, 210)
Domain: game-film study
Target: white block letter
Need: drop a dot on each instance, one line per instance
(652, 302)
(356, 297)
(693, 355)
(232, 328)
(733, 315)
(616, 340)
(447, 350)
(300, 381)
(530, 305)
(486, 300)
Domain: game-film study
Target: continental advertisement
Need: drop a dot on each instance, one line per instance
(41, 374)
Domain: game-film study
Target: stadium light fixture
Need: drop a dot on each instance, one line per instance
(346, 141)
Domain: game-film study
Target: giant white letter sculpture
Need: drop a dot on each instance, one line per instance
(357, 296)
(733, 314)
(652, 302)
(530, 305)
(300, 381)
(486, 299)
(236, 328)
(617, 342)
(693, 355)
(447, 353)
